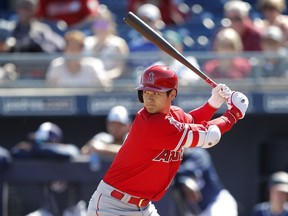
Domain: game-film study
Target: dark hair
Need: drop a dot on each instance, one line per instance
(75, 35)
(169, 92)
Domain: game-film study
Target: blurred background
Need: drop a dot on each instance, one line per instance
(72, 71)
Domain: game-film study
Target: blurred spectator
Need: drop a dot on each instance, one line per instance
(5, 33)
(75, 70)
(237, 13)
(108, 143)
(197, 188)
(106, 44)
(59, 197)
(185, 77)
(172, 12)
(150, 14)
(8, 71)
(277, 204)
(31, 35)
(75, 14)
(273, 14)
(228, 45)
(5, 159)
(45, 142)
(274, 60)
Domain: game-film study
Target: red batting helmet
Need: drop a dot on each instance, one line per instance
(157, 78)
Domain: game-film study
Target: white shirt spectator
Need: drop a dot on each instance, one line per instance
(91, 72)
(106, 44)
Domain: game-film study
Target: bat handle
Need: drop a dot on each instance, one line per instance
(210, 82)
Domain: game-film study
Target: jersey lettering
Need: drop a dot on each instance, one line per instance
(169, 155)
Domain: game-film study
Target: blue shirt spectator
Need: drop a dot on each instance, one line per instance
(46, 142)
(5, 159)
(198, 189)
(151, 15)
(32, 35)
(277, 204)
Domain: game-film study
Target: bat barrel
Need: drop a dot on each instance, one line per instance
(153, 36)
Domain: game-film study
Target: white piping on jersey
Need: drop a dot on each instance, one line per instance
(182, 138)
(189, 139)
(202, 137)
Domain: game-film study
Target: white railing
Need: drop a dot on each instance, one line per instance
(32, 67)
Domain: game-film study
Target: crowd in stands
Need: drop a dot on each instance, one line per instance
(228, 42)
(74, 71)
(107, 44)
(36, 26)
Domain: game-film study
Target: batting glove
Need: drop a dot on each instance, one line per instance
(219, 95)
(237, 104)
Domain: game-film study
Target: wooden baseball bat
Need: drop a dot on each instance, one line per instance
(151, 35)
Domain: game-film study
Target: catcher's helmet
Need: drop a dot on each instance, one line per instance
(157, 78)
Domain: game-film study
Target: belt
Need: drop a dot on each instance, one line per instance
(140, 202)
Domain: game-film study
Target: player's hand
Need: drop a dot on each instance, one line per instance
(87, 149)
(219, 95)
(225, 91)
(237, 104)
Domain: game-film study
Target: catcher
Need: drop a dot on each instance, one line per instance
(152, 152)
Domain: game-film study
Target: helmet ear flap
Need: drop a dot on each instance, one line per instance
(140, 96)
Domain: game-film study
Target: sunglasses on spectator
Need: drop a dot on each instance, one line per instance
(100, 24)
(235, 18)
(268, 7)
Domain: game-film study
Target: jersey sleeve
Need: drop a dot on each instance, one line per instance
(176, 130)
(203, 113)
(168, 133)
(224, 122)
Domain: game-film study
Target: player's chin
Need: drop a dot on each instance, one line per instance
(151, 109)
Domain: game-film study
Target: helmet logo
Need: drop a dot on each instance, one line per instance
(150, 78)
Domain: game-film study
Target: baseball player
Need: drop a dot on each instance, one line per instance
(152, 152)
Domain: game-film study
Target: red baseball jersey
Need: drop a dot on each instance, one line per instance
(71, 11)
(152, 152)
